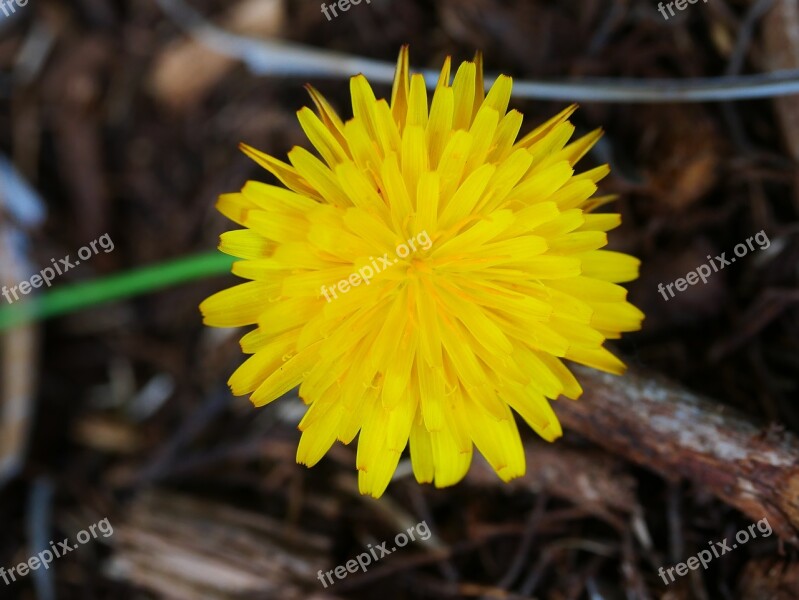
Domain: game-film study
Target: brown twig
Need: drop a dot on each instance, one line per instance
(678, 434)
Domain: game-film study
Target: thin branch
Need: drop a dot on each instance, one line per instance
(664, 427)
(276, 58)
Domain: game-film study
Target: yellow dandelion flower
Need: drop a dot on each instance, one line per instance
(423, 275)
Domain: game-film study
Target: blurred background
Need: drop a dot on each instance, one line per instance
(115, 118)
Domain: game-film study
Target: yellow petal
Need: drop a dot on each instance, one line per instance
(608, 265)
(417, 103)
(285, 173)
(542, 130)
(463, 87)
(499, 95)
(400, 89)
(260, 365)
(237, 306)
(318, 437)
(421, 453)
(497, 440)
(319, 135)
(245, 243)
(536, 412)
(286, 377)
(439, 126)
(505, 137)
(318, 175)
(328, 115)
(598, 358)
(363, 103)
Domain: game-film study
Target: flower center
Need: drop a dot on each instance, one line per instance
(420, 266)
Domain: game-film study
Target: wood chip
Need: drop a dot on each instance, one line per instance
(187, 70)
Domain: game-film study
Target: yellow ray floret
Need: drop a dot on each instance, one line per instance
(423, 274)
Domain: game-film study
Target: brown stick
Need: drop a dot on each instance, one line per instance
(780, 34)
(182, 547)
(666, 428)
(768, 577)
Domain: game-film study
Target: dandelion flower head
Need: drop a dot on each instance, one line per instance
(441, 347)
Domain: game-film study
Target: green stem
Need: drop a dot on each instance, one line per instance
(116, 287)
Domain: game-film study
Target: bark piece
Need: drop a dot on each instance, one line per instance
(678, 434)
(597, 482)
(179, 547)
(769, 578)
